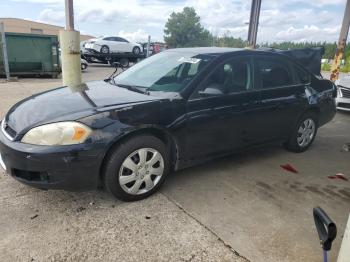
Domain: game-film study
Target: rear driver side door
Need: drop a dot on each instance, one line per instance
(282, 98)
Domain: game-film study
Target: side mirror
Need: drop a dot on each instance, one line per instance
(209, 91)
(326, 228)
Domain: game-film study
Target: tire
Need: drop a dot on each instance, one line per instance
(307, 126)
(83, 67)
(136, 50)
(138, 174)
(104, 49)
(124, 62)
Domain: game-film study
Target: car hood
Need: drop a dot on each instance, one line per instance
(65, 104)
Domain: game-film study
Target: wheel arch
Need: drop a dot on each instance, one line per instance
(157, 132)
(312, 109)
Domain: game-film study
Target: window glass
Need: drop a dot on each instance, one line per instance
(273, 73)
(123, 40)
(108, 38)
(230, 77)
(167, 71)
(36, 31)
(193, 69)
(303, 77)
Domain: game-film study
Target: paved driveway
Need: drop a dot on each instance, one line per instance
(45, 226)
(263, 211)
(245, 201)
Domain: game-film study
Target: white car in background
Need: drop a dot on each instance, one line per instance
(112, 44)
(343, 97)
(84, 64)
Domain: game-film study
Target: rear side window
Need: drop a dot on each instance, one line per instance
(302, 76)
(123, 40)
(273, 73)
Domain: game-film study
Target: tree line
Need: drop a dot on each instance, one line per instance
(183, 29)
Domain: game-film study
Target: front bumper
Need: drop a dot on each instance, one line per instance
(74, 167)
(93, 47)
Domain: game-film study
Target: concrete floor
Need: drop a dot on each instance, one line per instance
(45, 226)
(245, 201)
(263, 211)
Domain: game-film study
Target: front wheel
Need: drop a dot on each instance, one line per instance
(136, 50)
(136, 168)
(304, 133)
(104, 49)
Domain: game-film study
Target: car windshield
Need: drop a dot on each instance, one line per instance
(169, 71)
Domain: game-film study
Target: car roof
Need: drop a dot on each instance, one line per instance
(110, 36)
(221, 50)
(207, 50)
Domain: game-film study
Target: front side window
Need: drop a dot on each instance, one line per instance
(169, 71)
(232, 76)
(273, 73)
(108, 38)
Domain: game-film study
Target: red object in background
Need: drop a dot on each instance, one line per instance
(289, 168)
(156, 48)
(338, 176)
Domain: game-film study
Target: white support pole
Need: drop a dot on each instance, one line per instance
(148, 45)
(344, 252)
(4, 51)
(70, 50)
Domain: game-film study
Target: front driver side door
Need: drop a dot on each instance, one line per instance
(218, 111)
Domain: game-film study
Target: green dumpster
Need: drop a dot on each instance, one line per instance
(29, 54)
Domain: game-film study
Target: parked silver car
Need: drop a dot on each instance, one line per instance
(343, 98)
(84, 64)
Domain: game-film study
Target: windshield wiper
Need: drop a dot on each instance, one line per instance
(137, 89)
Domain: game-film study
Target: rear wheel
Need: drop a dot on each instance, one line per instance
(104, 49)
(137, 168)
(304, 133)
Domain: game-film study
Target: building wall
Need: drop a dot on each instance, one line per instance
(16, 25)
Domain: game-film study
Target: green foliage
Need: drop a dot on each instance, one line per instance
(183, 29)
(346, 68)
(228, 41)
(326, 67)
(329, 47)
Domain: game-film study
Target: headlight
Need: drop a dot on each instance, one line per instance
(62, 133)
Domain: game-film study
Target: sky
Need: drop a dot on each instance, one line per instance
(280, 20)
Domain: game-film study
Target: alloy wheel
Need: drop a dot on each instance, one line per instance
(306, 132)
(105, 50)
(137, 50)
(141, 171)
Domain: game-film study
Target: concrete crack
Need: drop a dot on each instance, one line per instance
(206, 227)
